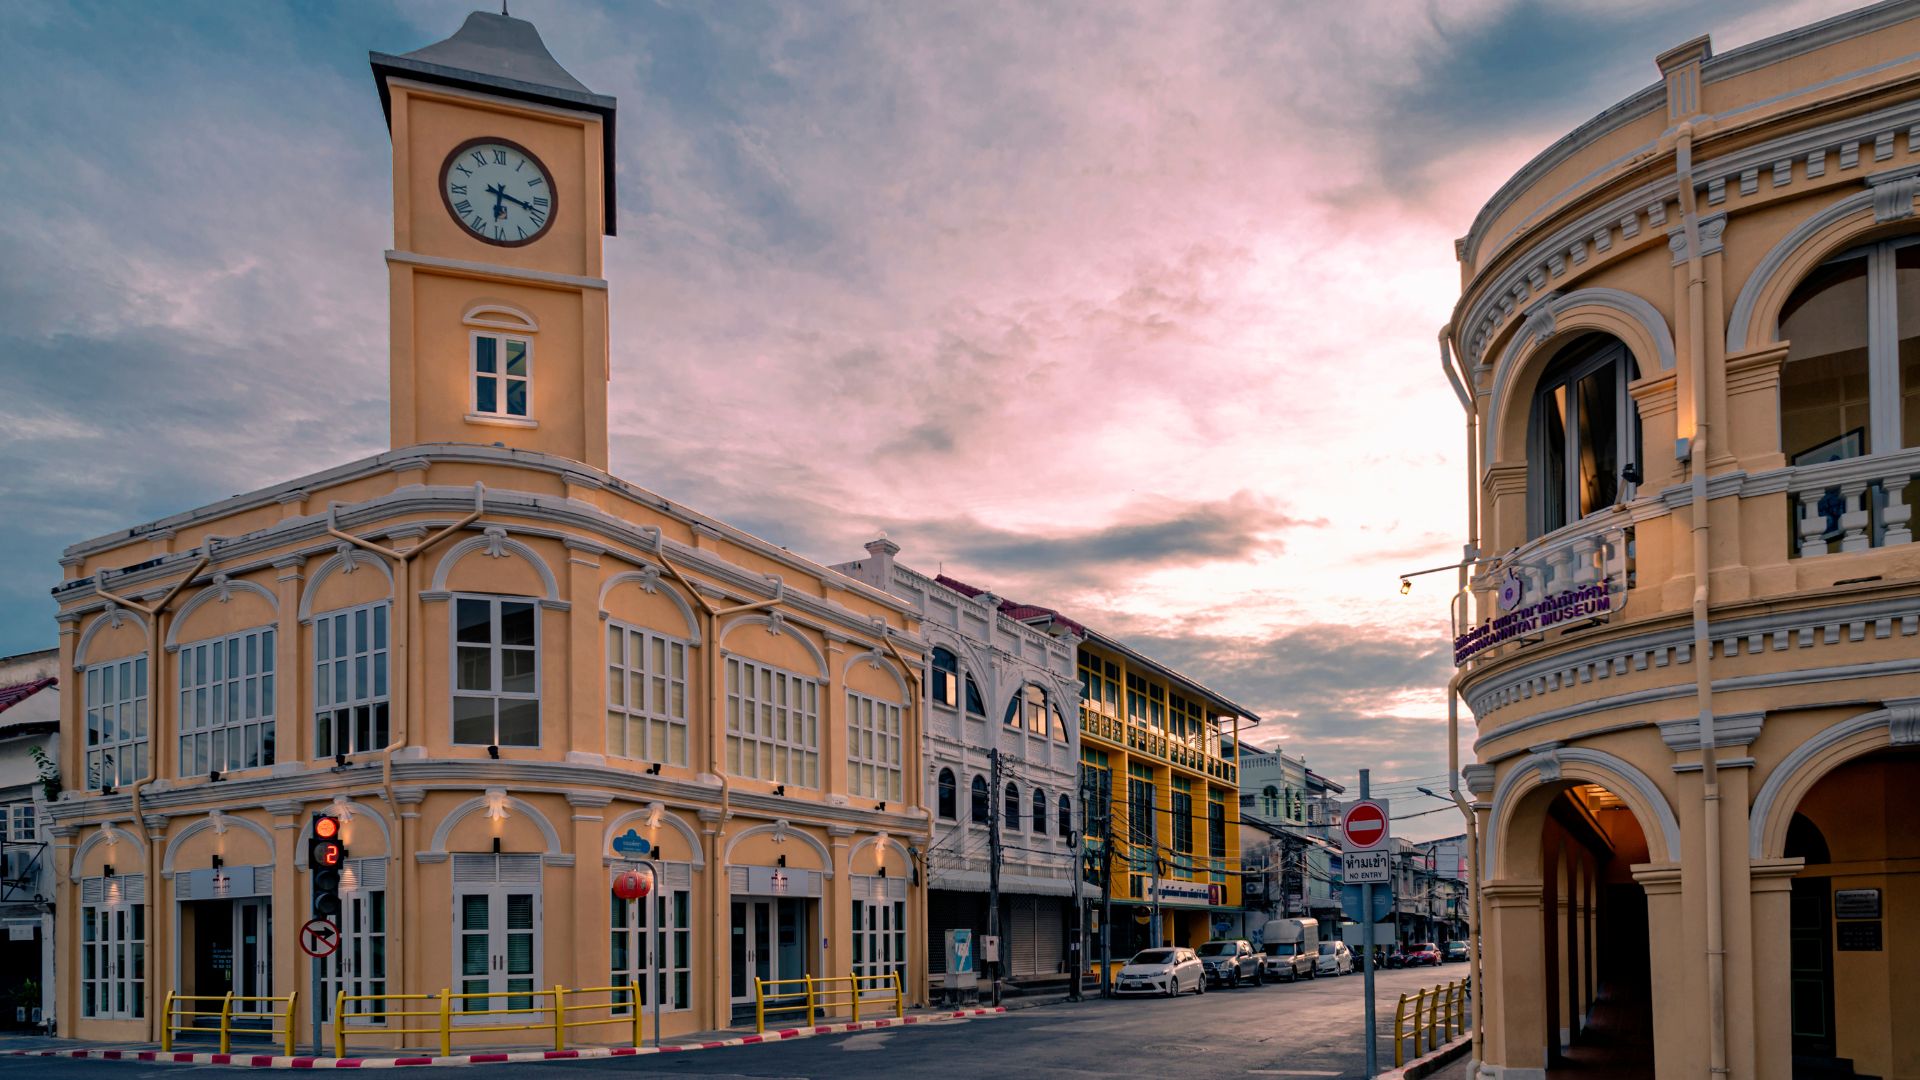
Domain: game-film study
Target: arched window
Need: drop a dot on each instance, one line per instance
(1059, 723)
(1012, 817)
(982, 801)
(1583, 434)
(1851, 382)
(1270, 801)
(945, 688)
(1066, 817)
(976, 705)
(1029, 709)
(1039, 812)
(949, 795)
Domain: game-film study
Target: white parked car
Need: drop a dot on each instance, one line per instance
(1335, 959)
(1162, 971)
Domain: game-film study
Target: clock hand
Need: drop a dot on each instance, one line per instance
(501, 193)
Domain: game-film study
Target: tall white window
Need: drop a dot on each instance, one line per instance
(113, 947)
(873, 748)
(496, 689)
(651, 940)
(502, 375)
(116, 722)
(226, 703)
(1584, 433)
(496, 922)
(879, 931)
(773, 724)
(350, 680)
(646, 695)
(22, 822)
(359, 966)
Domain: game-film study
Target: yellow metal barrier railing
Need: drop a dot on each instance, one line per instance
(559, 1009)
(181, 1014)
(1439, 1016)
(818, 995)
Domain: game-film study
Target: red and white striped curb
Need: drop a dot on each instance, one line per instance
(273, 1061)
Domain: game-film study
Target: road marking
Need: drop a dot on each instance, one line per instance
(1292, 1072)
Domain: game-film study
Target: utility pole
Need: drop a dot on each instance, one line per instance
(994, 796)
(1106, 890)
(1077, 943)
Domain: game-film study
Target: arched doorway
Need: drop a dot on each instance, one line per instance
(1568, 931)
(1852, 940)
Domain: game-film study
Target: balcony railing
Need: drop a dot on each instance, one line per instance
(1858, 503)
(1155, 743)
(1599, 547)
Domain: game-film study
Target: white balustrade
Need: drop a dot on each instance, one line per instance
(1859, 503)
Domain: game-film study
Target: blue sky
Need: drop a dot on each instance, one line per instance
(1123, 308)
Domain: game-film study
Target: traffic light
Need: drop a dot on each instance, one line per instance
(326, 855)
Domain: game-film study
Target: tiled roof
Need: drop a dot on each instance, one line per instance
(1018, 612)
(19, 692)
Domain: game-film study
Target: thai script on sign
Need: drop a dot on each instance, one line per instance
(1584, 602)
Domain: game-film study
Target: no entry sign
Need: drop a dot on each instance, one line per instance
(1363, 826)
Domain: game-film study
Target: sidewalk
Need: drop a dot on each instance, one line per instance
(149, 1053)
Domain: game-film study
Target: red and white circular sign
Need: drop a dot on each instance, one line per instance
(1365, 825)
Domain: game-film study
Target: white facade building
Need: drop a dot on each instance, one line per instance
(29, 720)
(994, 683)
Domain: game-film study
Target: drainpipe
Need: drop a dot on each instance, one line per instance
(158, 703)
(1702, 576)
(405, 603)
(1460, 616)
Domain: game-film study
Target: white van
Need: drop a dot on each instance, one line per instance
(1293, 948)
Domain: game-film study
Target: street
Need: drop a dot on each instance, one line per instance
(1309, 1029)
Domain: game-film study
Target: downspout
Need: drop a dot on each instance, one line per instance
(1702, 577)
(1457, 608)
(923, 987)
(157, 709)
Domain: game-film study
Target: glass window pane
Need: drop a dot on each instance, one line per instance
(516, 397)
(1907, 273)
(516, 357)
(516, 671)
(473, 720)
(474, 619)
(484, 353)
(475, 670)
(1823, 386)
(1599, 453)
(516, 623)
(1553, 435)
(519, 723)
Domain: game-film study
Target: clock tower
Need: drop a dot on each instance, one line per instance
(502, 191)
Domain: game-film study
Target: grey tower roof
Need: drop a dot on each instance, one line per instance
(502, 56)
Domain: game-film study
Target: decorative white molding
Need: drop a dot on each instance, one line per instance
(638, 818)
(499, 316)
(345, 558)
(1582, 763)
(495, 543)
(1734, 729)
(1812, 759)
(112, 616)
(480, 803)
(221, 591)
(784, 830)
(1543, 321)
(775, 623)
(220, 823)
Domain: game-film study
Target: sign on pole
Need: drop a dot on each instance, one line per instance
(1363, 827)
(1367, 868)
(319, 937)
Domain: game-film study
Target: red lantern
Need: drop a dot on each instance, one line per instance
(633, 884)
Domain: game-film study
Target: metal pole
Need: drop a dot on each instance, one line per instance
(994, 795)
(1106, 890)
(1078, 950)
(1366, 924)
(659, 984)
(313, 967)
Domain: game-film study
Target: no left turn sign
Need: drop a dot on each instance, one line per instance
(1363, 827)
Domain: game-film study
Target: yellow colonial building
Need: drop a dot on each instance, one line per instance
(1161, 781)
(1688, 344)
(513, 674)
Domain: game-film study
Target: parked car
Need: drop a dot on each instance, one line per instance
(1335, 959)
(1456, 952)
(1424, 954)
(1230, 963)
(1162, 971)
(1293, 948)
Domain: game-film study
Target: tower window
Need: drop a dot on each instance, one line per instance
(502, 376)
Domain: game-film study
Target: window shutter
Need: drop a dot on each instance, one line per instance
(263, 880)
(737, 880)
(369, 873)
(473, 869)
(133, 889)
(678, 875)
(183, 886)
(519, 869)
(93, 890)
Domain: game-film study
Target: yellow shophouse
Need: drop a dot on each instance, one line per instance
(512, 674)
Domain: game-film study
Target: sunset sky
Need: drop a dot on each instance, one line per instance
(1127, 309)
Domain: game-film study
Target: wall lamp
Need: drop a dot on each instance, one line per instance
(780, 790)
(340, 760)
(493, 751)
(218, 862)
(880, 808)
(213, 777)
(653, 769)
(1406, 579)
(107, 870)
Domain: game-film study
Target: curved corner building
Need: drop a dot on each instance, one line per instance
(1690, 335)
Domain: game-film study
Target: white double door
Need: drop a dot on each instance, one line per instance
(498, 947)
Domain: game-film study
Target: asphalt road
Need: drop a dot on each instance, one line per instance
(1301, 1030)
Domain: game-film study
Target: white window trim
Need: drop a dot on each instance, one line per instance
(886, 775)
(499, 416)
(497, 931)
(494, 649)
(135, 703)
(1627, 448)
(648, 717)
(879, 934)
(267, 638)
(378, 659)
(790, 751)
(116, 950)
(1883, 340)
(356, 942)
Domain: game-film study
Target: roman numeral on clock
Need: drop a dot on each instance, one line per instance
(463, 206)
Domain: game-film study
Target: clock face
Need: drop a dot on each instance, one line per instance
(498, 191)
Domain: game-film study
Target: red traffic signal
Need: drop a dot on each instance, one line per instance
(326, 827)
